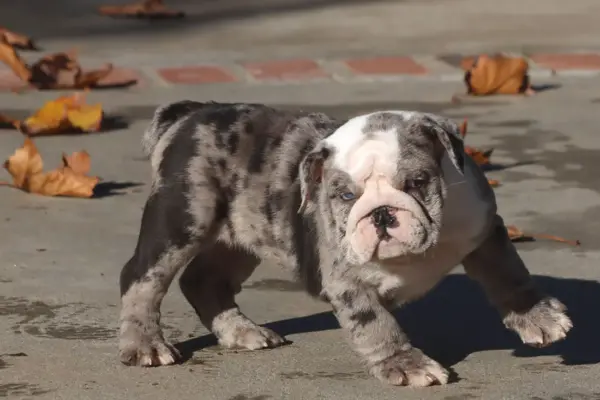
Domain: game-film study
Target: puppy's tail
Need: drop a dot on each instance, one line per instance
(164, 117)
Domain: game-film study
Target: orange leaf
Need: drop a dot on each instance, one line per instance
(516, 234)
(9, 56)
(25, 161)
(145, 9)
(17, 40)
(481, 157)
(63, 182)
(497, 74)
(78, 161)
(66, 113)
(26, 168)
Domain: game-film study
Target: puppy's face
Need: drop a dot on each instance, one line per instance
(378, 183)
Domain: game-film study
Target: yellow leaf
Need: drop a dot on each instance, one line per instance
(64, 114)
(88, 118)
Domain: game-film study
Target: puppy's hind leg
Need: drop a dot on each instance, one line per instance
(538, 319)
(170, 236)
(210, 283)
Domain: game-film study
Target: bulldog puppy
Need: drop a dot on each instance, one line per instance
(371, 213)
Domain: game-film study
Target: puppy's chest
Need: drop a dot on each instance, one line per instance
(412, 278)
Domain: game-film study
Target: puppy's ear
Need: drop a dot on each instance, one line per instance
(311, 176)
(448, 135)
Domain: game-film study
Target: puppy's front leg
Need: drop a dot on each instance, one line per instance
(375, 335)
(537, 318)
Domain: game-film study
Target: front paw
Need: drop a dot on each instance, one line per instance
(145, 347)
(410, 368)
(543, 324)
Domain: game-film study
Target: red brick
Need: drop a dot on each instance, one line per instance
(386, 66)
(567, 61)
(196, 74)
(286, 70)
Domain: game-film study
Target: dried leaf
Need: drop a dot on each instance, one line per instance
(18, 40)
(144, 9)
(78, 161)
(9, 56)
(25, 161)
(26, 167)
(64, 114)
(57, 70)
(89, 79)
(516, 234)
(497, 74)
(481, 157)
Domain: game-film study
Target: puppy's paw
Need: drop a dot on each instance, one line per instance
(251, 337)
(542, 325)
(138, 348)
(410, 368)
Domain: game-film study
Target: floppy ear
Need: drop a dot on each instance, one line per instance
(448, 135)
(311, 176)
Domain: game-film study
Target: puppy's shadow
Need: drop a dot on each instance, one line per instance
(113, 188)
(455, 320)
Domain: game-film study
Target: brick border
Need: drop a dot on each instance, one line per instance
(348, 70)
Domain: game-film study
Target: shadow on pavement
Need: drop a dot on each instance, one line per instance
(65, 18)
(456, 320)
(112, 188)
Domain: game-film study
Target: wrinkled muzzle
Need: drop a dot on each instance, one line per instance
(386, 223)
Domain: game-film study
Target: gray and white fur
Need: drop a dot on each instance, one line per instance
(236, 184)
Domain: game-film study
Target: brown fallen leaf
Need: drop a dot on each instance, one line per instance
(62, 115)
(18, 40)
(56, 71)
(516, 234)
(26, 168)
(497, 74)
(144, 9)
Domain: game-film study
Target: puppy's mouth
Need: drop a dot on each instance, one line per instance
(388, 232)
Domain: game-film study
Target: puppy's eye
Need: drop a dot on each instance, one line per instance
(416, 183)
(347, 196)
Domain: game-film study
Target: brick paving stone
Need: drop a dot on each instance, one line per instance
(286, 70)
(567, 61)
(196, 75)
(386, 66)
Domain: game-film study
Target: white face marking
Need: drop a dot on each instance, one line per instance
(363, 157)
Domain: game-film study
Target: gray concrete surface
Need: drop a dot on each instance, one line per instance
(60, 259)
(254, 29)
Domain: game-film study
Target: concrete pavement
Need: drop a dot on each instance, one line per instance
(234, 30)
(61, 258)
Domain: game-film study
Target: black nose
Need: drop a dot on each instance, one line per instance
(382, 217)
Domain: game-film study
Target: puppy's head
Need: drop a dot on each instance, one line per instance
(377, 182)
